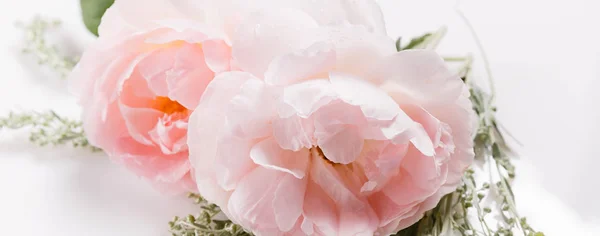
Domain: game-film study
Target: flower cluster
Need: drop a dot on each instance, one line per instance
(287, 117)
(292, 117)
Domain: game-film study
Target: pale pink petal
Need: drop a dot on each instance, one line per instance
(291, 68)
(338, 131)
(170, 135)
(232, 161)
(173, 35)
(289, 195)
(269, 155)
(403, 190)
(135, 92)
(338, 12)
(380, 161)
(208, 119)
(420, 178)
(107, 86)
(355, 214)
(374, 102)
(422, 141)
(188, 77)
(418, 211)
(206, 123)
(389, 212)
(430, 124)
(243, 120)
(266, 35)
(355, 43)
(307, 227)
(293, 133)
(104, 63)
(457, 117)
(154, 69)
(212, 192)
(412, 76)
(338, 113)
(95, 127)
(320, 211)
(184, 185)
(251, 203)
(126, 16)
(366, 13)
(305, 98)
(217, 55)
(185, 89)
(340, 144)
(400, 130)
(140, 121)
(149, 163)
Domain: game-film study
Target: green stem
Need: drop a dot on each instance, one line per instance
(456, 59)
(434, 40)
(483, 53)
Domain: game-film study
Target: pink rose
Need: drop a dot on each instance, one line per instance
(332, 133)
(145, 74)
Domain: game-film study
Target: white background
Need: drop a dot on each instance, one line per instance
(545, 56)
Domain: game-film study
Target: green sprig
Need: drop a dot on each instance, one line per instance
(205, 223)
(454, 210)
(45, 53)
(48, 128)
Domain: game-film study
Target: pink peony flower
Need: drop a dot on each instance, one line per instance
(332, 133)
(145, 74)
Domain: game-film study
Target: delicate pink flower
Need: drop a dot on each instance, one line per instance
(332, 133)
(142, 78)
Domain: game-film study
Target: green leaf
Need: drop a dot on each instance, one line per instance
(416, 42)
(399, 44)
(92, 12)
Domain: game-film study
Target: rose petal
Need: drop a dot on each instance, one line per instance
(361, 12)
(154, 67)
(170, 135)
(250, 112)
(294, 67)
(320, 211)
(232, 160)
(266, 35)
(412, 76)
(140, 121)
(374, 102)
(127, 16)
(189, 76)
(217, 55)
(355, 43)
(251, 202)
(293, 133)
(304, 98)
(269, 155)
(289, 195)
(355, 214)
(340, 144)
(206, 123)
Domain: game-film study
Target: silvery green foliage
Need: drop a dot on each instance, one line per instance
(48, 128)
(205, 223)
(45, 53)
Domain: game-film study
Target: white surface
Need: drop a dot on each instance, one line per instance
(545, 57)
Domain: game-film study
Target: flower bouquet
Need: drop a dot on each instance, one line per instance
(286, 117)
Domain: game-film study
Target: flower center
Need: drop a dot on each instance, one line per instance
(316, 150)
(168, 106)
